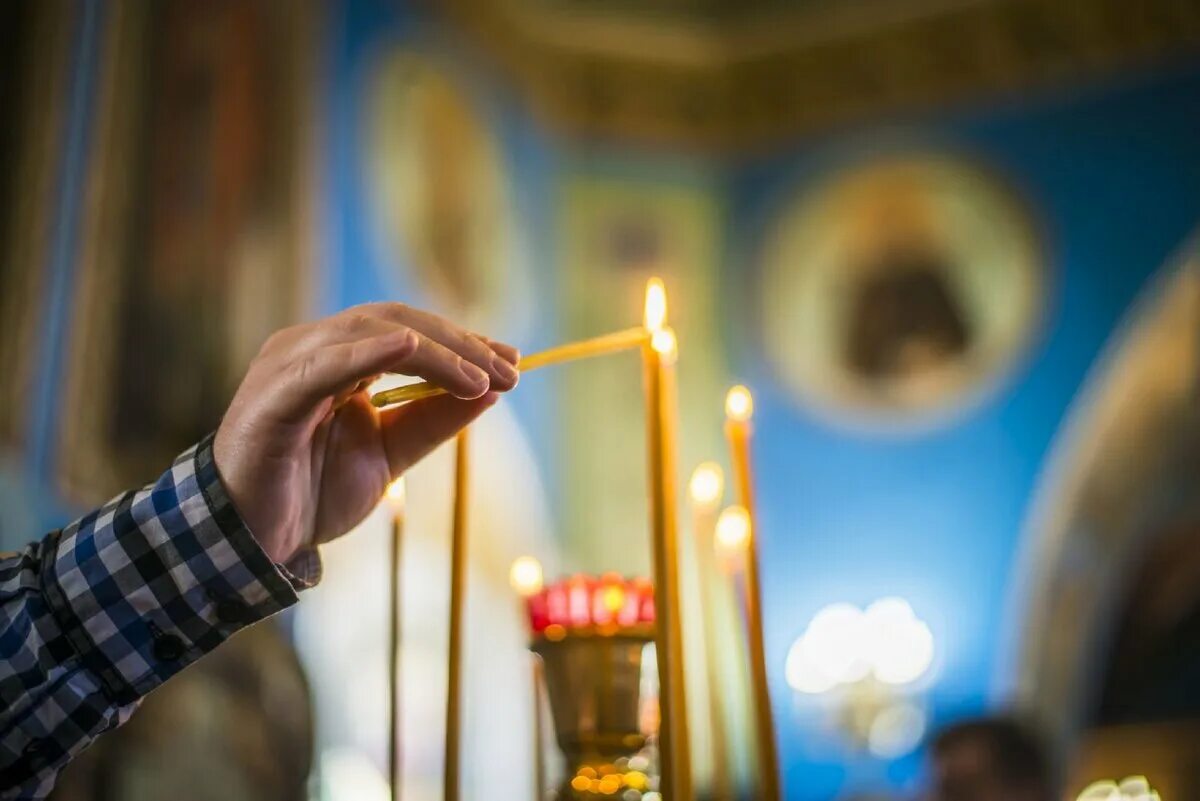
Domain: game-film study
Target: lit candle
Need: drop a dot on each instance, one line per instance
(584, 349)
(739, 408)
(525, 577)
(705, 490)
(659, 358)
(458, 591)
(395, 499)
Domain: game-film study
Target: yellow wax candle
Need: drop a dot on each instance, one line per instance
(598, 346)
(396, 501)
(705, 490)
(525, 577)
(458, 591)
(739, 408)
(659, 358)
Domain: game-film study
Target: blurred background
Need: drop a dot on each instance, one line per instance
(945, 242)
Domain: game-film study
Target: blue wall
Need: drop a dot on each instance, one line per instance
(1114, 174)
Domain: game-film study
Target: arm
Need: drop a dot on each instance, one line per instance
(100, 613)
(95, 616)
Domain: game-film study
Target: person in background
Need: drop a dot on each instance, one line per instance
(98, 614)
(991, 759)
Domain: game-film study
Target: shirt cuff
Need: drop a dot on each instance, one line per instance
(155, 579)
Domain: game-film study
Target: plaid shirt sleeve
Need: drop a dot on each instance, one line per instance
(98, 614)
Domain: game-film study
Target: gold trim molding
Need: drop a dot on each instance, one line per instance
(722, 75)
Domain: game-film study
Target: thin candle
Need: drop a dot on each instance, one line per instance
(705, 490)
(739, 408)
(599, 346)
(458, 591)
(395, 498)
(659, 357)
(525, 577)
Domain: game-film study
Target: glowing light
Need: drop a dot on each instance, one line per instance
(350, 775)
(802, 672)
(1131, 788)
(836, 643)
(896, 730)
(707, 484)
(614, 598)
(739, 404)
(900, 645)
(732, 536)
(655, 316)
(525, 576)
(843, 645)
(396, 495)
(664, 342)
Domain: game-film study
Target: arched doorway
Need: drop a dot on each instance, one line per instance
(1115, 528)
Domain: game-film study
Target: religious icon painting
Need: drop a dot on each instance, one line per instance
(196, 237)
(899, 289)
(441, 194)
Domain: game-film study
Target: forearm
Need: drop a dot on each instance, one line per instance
(95, 616)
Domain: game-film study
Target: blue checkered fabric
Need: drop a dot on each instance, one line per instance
(98, 614)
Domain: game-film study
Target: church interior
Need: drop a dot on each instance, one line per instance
(933, 277)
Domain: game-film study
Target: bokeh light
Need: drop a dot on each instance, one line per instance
(525, 576)
(707, 485)
(396, 495)
(843, 645)
(739, 404)
(733, 532)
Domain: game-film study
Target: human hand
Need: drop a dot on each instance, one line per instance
(302, 452)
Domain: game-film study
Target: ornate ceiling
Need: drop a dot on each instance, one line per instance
(723, 74)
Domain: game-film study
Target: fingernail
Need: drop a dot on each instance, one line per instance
(505, 370)
(474, 374)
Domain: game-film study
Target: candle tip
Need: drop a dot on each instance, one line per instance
(525, 576)
(739, 404)
(707, 484)
(733, 531)
(395, 494)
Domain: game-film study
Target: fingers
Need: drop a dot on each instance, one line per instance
(411, 431)
(497, 359)
(510, 354)
(332, 369)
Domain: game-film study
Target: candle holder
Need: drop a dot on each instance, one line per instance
(590, 635)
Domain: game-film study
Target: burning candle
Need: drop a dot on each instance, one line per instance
(458, 591)
(659, 358)
(739, 408)
(525, 577)
(705, 490)
(395, 497)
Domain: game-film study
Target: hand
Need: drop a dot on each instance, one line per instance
(302, 452)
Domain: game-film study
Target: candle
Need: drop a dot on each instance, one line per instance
(458, 590)
(739, 408)
(659, 357)
(598, 346)
(525, 577)
(395, 498)
(705, 490)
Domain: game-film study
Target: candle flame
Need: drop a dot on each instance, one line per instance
(525, 576)
(664, 342)
(655, 317)
(739, 404)
(707, 484)
(733, 531)
(396, 495)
